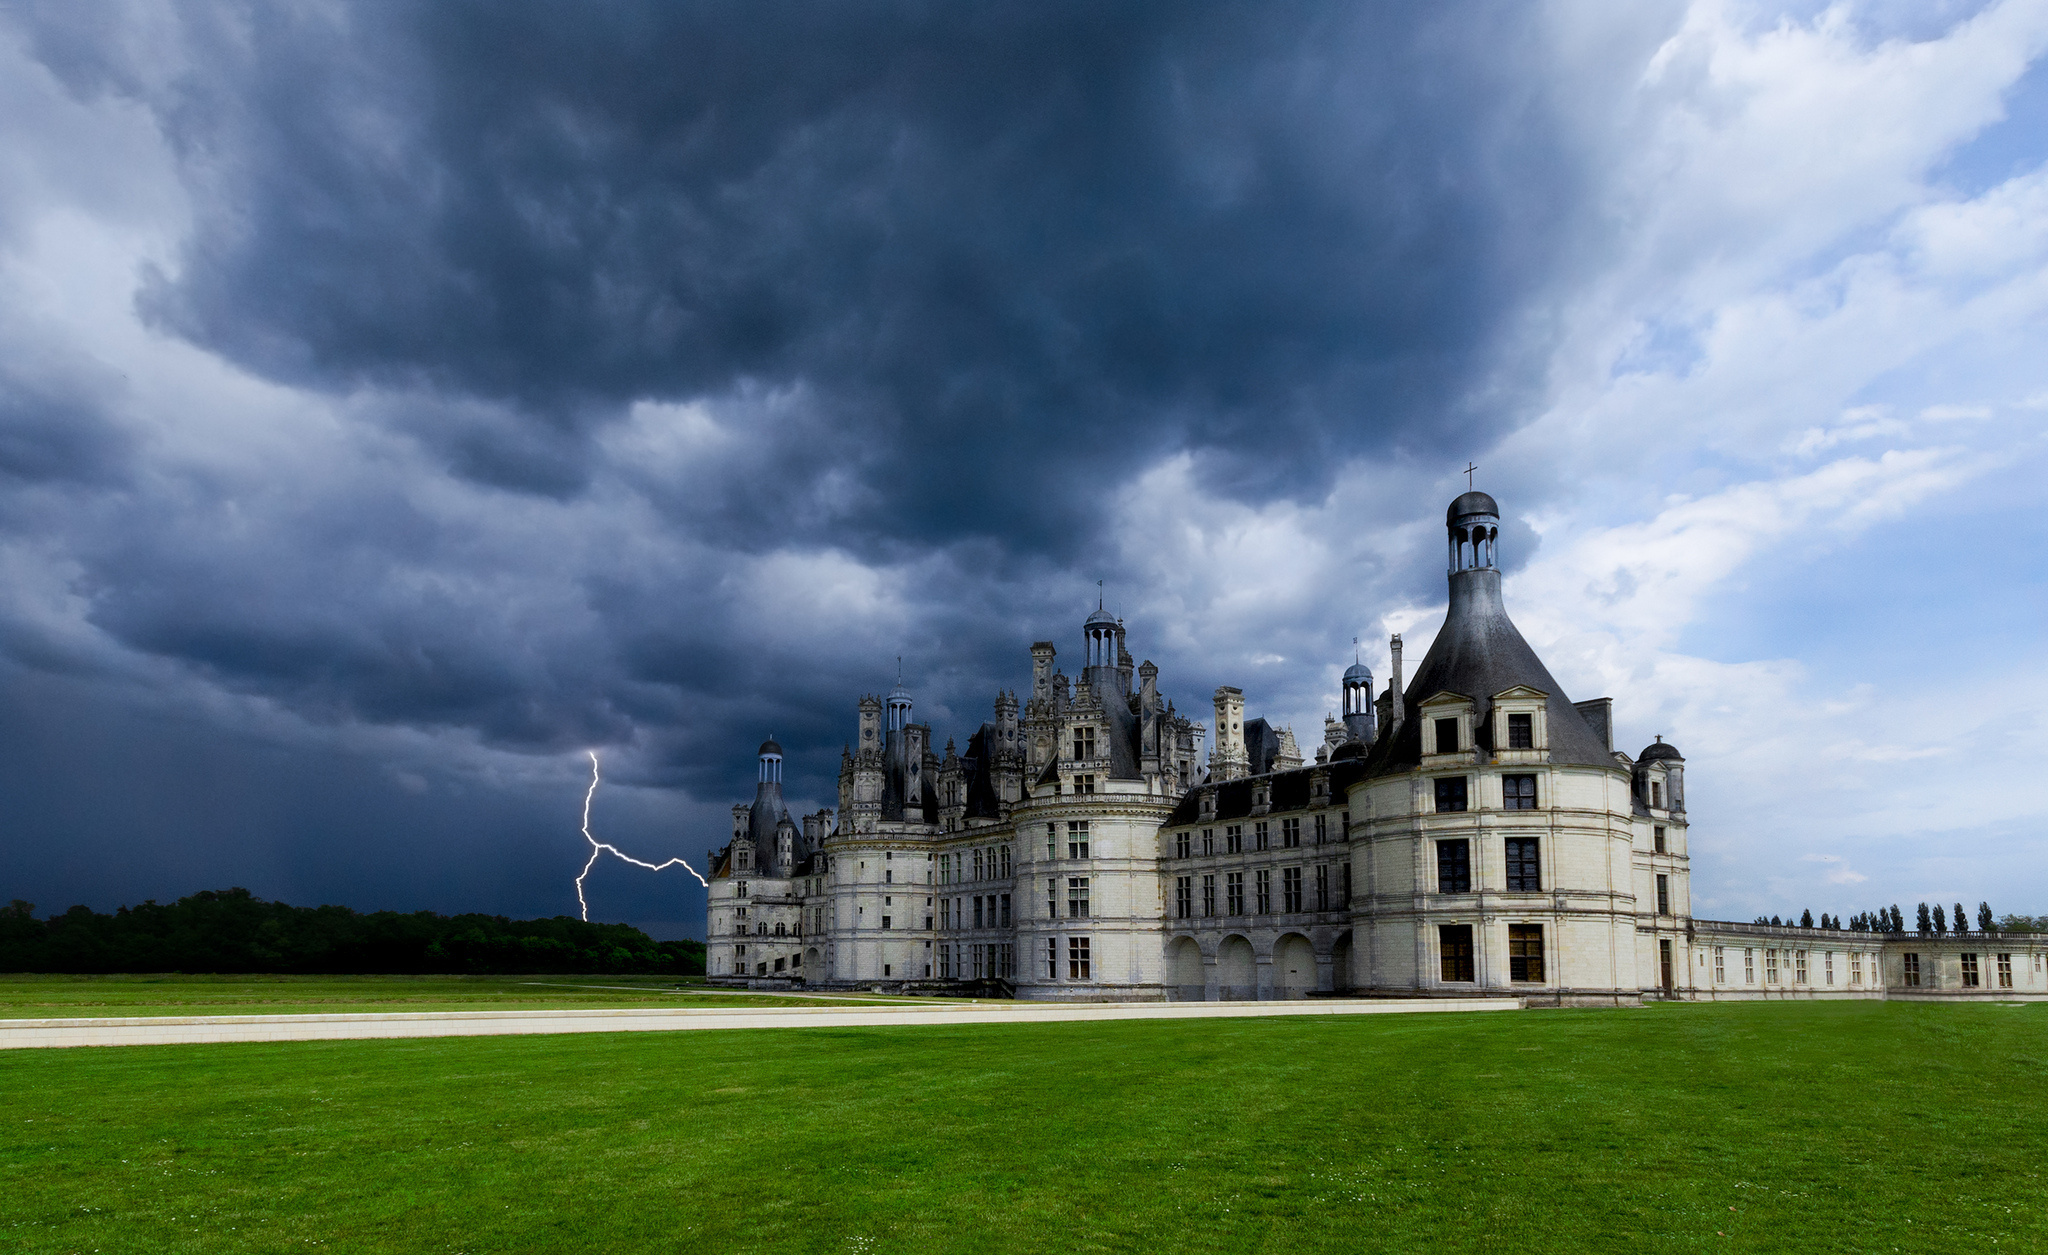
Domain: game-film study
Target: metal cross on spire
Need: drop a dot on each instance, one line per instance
(1354, 649)
(1469, 468)
(1098, 594)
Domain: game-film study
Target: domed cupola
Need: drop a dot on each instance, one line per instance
(1473, 522)
(1105, 637)
(771, 762)
(1358, 714)
(899, 707)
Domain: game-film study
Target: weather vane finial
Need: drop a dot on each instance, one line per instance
(1098, 594)
(1354, 649)
(1470, 467)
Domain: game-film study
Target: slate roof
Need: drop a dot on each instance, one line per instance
(1480, 653)
(1290, 793)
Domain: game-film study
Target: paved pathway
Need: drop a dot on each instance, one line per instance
(167, 1030)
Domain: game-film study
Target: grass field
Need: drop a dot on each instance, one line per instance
(52, 997)
(1777, 1127)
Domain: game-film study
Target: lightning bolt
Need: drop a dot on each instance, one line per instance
(598, 847)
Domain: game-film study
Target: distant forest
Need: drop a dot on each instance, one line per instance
(230, 930)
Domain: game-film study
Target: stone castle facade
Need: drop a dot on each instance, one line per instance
(1471, 830)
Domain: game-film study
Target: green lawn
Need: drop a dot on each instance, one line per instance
(1779, 1127)
(50, 997)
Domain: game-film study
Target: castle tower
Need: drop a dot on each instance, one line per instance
(1227, 758)
(767, 815)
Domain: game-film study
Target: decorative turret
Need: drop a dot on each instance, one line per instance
(1227, 758)
(1358, 717)
(1660, 777)
(1473, 522)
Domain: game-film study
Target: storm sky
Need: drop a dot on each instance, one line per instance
(399, 400)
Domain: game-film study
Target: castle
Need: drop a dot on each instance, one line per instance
(1470, 831)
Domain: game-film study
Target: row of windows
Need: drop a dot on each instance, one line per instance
(1292, 897)
(1521, 734)
(1775, 966)
(1187, 844)
(990, 863)
(1078, 964)
(1077, 840)
(978, 960)
(1453, 793)
(1458, 962)
(990, 910)
(762, 967)
(1521, 854)
(1973, 976)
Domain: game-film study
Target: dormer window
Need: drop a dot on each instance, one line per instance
(1521, 732)
(1447, 736)
(1656, 795)
(1084, 742)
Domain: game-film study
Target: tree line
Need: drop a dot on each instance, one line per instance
(231, 930)
(1933, 921)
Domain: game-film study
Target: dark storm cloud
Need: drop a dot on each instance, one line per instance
(615, 306)
(1010, 250)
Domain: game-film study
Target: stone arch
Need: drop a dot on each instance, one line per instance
(1294, 967)
(811, 962)
(1341, 976)
(1184, 970)
(1237, 973)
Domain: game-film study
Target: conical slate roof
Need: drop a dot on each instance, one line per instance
(1478, 654)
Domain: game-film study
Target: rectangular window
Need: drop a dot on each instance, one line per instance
(1233, 884)
(1657, 839)
(1518, 793)
(1052, 898)
(1521, 732)
(1259, 841)
(945, 960)
(1663, 895)
(1006, 910)
(1855, 969)
(1077, 838)
(1208, 841)
(1290, 834)
(1208, 896)
(1447, 736)
(1454, 866)
(1911, 964)
(1052, 958)
(1720, 965)
(1450, 794)
(1323, 887)
(1770, 967)
(1084, 784)
(977, 866)
(1455, 941)
(1084, 742)
(2005, 971)
(1657, 796)
(977, 911)
(1077, 897)
(1005, 859)
(1525, 952)
(1322, 829)
(1182, 844)
(1052, 836)
(1264, 885)
(1749, 967)
(1077, 958)
(885, 921)
(1799, 967)
(1290, 889)
(1525, 875)
(1347, 884)
(1233, 839)
(1827, 967)
(1970, 975)
(1184, 896)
